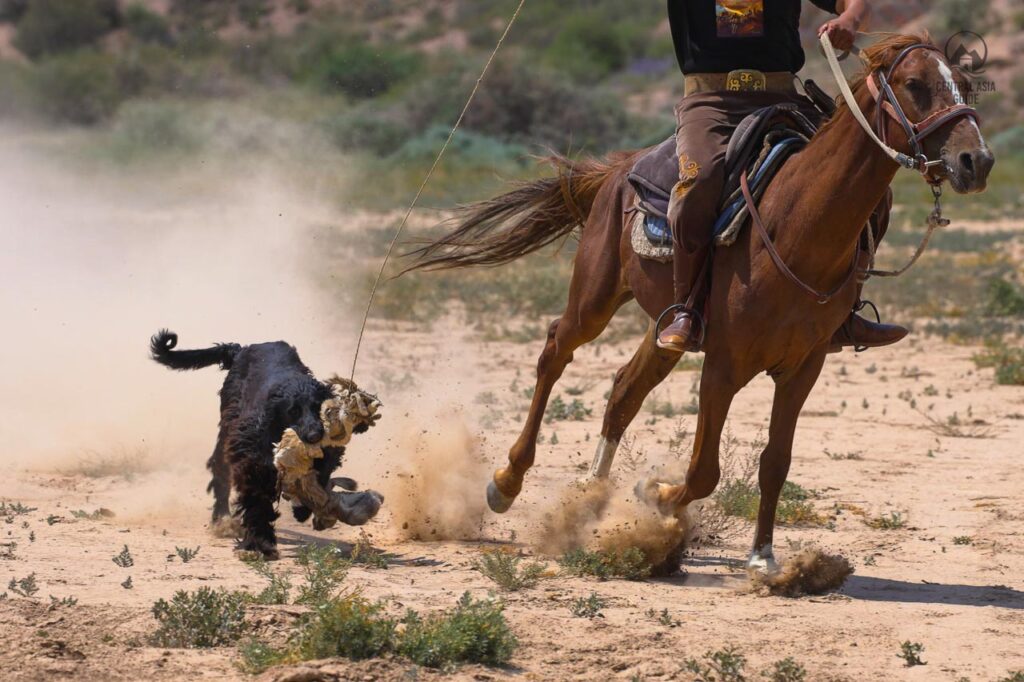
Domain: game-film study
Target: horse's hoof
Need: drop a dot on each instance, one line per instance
(498, 501)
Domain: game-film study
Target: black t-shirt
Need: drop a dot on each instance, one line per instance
(717, 36)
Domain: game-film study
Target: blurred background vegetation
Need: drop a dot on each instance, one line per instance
(355, 97)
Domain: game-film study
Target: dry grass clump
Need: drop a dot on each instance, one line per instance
(811, 571)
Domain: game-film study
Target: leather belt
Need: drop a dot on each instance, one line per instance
(740, 80)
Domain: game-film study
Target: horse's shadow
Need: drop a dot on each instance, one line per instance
(866, 588)
(296, 539)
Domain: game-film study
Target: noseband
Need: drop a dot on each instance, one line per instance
(879, 85)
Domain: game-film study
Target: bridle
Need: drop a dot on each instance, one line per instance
(878, 85)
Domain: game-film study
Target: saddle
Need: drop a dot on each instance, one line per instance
(762, 143)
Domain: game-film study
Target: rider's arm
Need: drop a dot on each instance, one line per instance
(853, 16)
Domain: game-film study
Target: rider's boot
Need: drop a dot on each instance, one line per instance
(686, 331)
(860, 333)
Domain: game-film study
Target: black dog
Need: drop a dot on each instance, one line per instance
(267, 390)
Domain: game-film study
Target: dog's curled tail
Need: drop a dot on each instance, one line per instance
(161, 349)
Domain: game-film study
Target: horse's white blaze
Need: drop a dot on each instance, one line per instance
(951, 86)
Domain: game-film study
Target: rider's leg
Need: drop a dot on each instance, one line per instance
(702, 137)
(857, 331)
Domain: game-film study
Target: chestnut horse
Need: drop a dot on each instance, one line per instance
(758, 320)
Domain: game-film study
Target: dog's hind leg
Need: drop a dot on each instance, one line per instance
(220, 481)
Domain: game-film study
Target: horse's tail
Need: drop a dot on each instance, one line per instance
(500, 230)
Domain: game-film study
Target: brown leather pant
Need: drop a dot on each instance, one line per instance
(705, 122)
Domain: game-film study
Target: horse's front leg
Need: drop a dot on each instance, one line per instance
(791, 391)
(717, 389)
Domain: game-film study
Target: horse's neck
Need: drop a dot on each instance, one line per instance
(829, 192)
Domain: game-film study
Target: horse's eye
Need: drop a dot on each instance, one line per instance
(915, 85)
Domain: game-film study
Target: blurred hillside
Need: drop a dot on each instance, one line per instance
(380, 81)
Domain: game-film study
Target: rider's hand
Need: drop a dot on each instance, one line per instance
(842, 31)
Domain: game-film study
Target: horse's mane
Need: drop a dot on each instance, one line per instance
(879, 55)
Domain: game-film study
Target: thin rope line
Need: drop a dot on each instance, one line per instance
(419, 192)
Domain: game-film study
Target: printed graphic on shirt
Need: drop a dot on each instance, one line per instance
(739, 18)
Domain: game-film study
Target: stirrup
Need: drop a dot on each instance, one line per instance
(683, 308)
(859, 306)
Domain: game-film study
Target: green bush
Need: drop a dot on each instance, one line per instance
(588, 48)
(348, 626)
(11, 10)
(323, 569)
(380, 133)
(507, 570)
(474, 632)
(80, 88)
(1008, 363)
(147, 26)
(628, 563)
(200, 619)
(1004, 299)
(362, 70)
(55, 26)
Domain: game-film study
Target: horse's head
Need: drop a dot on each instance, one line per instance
(922, 111)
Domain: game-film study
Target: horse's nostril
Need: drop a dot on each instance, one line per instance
(967, 162)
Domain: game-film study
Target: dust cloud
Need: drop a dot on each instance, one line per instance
(95, 262)
(600, 515)
(436, 493)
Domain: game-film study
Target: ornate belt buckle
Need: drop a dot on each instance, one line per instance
(746, 80)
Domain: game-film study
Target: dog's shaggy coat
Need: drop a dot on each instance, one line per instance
(267, 390)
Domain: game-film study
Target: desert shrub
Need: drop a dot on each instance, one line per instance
(278, 586)
(724, 665)
(54, 26)
(380, 133)
(628, 563)
(508, 570)
(1005, 298)
(11, 10)
(588, 48)
(559, 410)
(253, 12)
(147, 26)
(741, 498)
(1008, 363)
(587, 607)
(257, 656)
(348, 626)
(468, 149)
(200, 619)
(959, 15)
(77, 88)
(475, 631)
(323, 569)
(145, 126)
(362, 70)
(521, 102)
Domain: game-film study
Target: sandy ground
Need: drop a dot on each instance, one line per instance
(88, 422)
(965, 603)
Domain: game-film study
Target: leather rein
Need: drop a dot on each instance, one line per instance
(887, 102)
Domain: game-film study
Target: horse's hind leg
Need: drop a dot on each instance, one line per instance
(579, 324)
(633, 382)
(790, 394)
